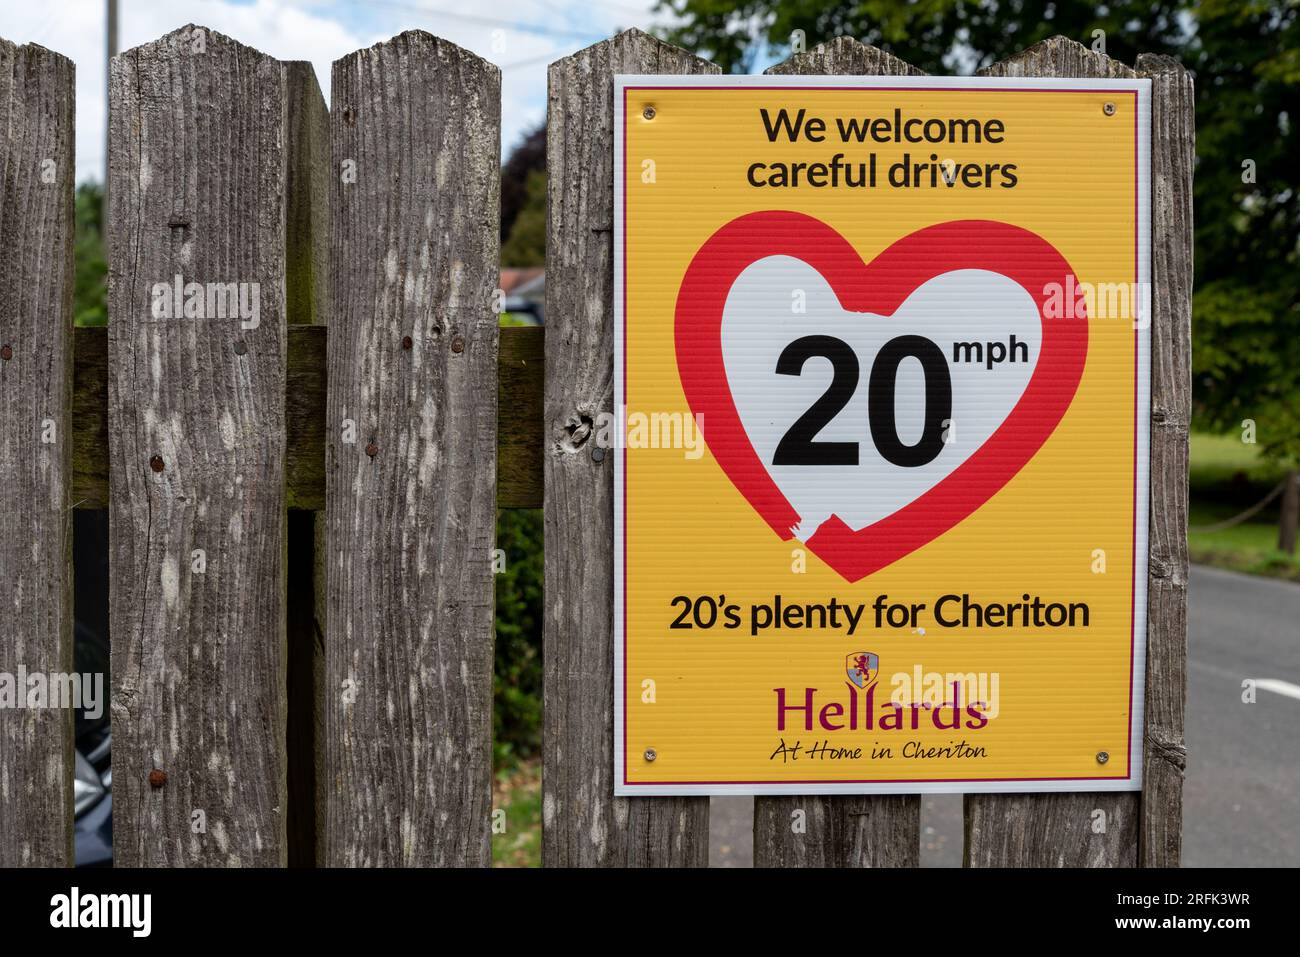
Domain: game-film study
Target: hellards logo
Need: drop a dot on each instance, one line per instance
(859, 708)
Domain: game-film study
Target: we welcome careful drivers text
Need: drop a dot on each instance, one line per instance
(925, 168)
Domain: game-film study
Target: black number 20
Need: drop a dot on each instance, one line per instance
(797, 446)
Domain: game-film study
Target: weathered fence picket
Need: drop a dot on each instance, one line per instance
(303, 504)
(519, 422)
(36, 175)
(1164, 752)
(411, 455)
(583, 823)
(197, 172)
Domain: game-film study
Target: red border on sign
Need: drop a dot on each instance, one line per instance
(1133, 537)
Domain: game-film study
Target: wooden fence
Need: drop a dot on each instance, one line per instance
(302, 495)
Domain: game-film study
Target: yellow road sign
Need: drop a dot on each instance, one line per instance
(882, 392)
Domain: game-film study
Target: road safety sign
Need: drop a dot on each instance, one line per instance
(880, 433)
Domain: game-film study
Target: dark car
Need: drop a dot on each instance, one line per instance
(93, 782)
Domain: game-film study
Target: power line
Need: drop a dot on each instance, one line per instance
(533, 61)
(534, 28)
(620, 8)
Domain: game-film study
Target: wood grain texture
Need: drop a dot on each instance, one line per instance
(583, 824)
(36, 175)
(1173, 156)
(520, 438)
(1054, 830)
(90, 417)
(843, 56)
(521, 434)
(1051, 830)
(197, 160)
(1059, 57)
(860, 830)
(411, 504)
(306, 392)
(879, 830)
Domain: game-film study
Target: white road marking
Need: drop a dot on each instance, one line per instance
(1275, 685)
(1278, 686)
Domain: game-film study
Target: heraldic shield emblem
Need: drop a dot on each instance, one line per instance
(862, 667)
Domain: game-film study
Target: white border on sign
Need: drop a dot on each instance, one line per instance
(1142, 438)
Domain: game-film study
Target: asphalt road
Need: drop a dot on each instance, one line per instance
(1242, 797)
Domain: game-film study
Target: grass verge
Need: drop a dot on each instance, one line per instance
(518, 792)
(1227, 476)
(1250, 547)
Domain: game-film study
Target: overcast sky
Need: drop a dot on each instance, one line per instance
(521, 36)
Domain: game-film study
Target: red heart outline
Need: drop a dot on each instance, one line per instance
(879, 287)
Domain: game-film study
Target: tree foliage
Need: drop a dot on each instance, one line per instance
(526, 243)
(938, 36)
(90, 292)
(517, 688)
(527, 157)
(1246, 326)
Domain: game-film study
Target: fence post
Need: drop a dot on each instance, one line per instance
(860, 830)
(411, 455)
(1058, 830)
(197, 157)
(36, 162)
(1173, 156)
(583, 824)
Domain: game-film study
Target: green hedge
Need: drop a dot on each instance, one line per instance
(517, 688)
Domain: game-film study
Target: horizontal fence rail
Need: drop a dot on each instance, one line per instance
(519, 417)
(303, 490)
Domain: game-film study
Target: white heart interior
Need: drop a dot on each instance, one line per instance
(985, 327)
